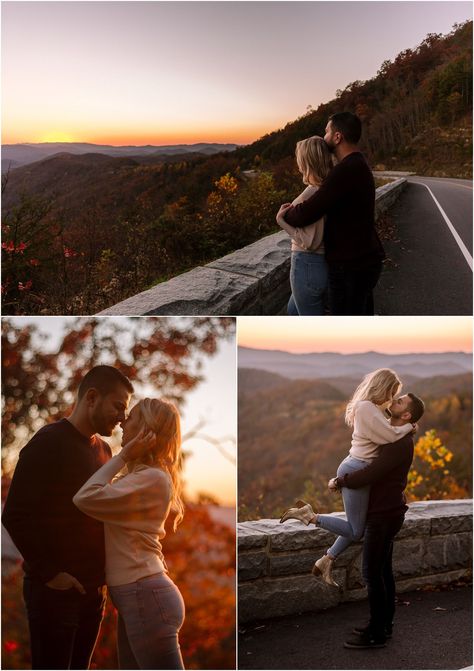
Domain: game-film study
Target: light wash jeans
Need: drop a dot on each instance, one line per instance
(150, 614)
(308, 281)
(356, 503)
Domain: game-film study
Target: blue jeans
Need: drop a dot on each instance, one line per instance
(308, 281)
(356, 503)
(150, 615)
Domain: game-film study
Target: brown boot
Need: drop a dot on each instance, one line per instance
(302, 512)
(323, 568)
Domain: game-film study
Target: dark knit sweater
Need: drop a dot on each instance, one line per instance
(347, 201)
(49, 531)
(387, 475)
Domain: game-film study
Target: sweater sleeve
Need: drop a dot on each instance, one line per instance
(378, 469)
(128, 500)
(376, 427)
(29, 486)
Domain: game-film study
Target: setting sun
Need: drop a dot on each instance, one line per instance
(57, 136)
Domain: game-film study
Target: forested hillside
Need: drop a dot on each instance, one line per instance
(83, 232)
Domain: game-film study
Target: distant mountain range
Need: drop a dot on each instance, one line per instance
(328, 365)
(16, 155)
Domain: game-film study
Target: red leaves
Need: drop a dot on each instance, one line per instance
(68, 252)
(26, 286)
(10, 646)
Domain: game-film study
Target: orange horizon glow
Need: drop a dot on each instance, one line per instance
(163, 139)
(386, 335)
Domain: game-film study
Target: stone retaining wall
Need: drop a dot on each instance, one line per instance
(251, 281)
(275, 560)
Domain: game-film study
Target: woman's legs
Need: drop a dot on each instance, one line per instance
(308, 280)
(356, 502)
(152, 611)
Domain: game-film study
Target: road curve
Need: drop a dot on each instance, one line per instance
(429, 265)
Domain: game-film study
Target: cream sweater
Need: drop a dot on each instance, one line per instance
(372, 429)
(134, 508)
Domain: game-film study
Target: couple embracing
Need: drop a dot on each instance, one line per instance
(79, 524)
(372, 479)
(335, 247)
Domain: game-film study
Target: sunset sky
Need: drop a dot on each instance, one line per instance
(214, 401)
(181, 72)
(390, 335)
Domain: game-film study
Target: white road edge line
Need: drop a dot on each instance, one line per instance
(461, 244)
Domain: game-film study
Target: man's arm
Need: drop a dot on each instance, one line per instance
(317, 206)
(391, 455)
(30, 484)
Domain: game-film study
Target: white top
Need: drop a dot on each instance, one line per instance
(134, 508)
(372, 429)
(307, 238)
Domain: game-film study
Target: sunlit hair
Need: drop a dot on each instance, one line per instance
(380, 387)
(314, 160)
(162, 417)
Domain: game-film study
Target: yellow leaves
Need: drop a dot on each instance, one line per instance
(430, 478)
(226, 184)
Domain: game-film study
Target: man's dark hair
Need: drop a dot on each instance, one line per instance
(415, 407)
(105, 379)
(348, 124)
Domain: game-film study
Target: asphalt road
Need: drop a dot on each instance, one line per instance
(427, 271)
(433, 630)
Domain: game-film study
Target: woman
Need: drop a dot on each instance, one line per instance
(134, 508)
(365, 414)
(308, 272)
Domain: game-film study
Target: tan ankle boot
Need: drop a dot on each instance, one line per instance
(323, 568)
(303, 512)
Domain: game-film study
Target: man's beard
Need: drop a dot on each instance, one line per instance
(100, 424)
(331, 147)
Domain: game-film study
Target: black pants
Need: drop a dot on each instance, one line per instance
(64, 625)
(351, 289)
(377, 571)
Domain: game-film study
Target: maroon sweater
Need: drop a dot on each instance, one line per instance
(347, 200)
(46, 527)
(387, 475)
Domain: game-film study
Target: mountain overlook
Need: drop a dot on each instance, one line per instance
(129, 222)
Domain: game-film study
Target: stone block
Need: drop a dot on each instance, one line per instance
(291, 564)
(252, 565)
(407, 557)
(250, 538)
(451, 524)
(295, 537)
(201, 291)
(445, 553)
(414, 526)
(263, 599)
(434, 579)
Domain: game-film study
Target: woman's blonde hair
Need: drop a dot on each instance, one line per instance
(162, 417)
(314, 160)
(380, 387)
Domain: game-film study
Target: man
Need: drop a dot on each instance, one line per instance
(347, 200)
(387, 476)
(63, 549)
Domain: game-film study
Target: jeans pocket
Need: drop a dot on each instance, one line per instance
(170, 604)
